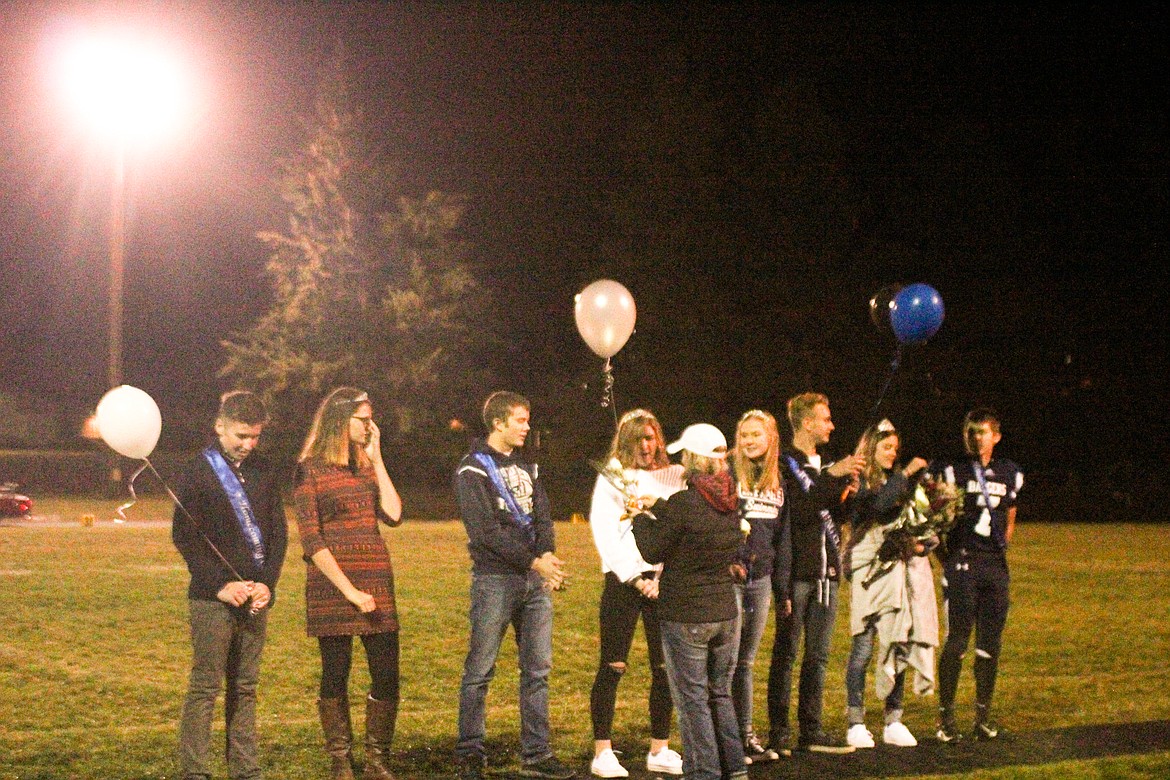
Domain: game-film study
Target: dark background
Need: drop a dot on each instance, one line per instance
(753, 174)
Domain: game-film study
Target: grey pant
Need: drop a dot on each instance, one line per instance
(497, 601)
(755, 599)
(813, 613)
(222, 638)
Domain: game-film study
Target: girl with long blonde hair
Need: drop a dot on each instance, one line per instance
(765, 558)
(637, 472)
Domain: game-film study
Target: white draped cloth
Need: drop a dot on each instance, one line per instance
(906, 611)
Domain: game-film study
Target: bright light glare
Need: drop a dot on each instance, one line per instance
(128, 90)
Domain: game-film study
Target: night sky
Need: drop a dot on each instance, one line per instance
(752, 175)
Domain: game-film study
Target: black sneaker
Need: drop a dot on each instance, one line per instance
(822, 743)
(549, 769)
(755, 753)
(986, 729)
(948, 733)
(472, 768)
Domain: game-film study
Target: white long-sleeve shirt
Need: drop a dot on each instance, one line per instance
(611, 535)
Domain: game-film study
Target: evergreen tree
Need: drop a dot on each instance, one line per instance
(371, 289)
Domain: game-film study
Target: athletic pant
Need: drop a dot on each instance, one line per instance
(976, 593)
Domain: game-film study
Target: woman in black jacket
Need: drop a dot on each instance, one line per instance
(696, 535)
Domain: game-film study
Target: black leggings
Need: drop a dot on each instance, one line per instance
(381, 657)
(620, 607)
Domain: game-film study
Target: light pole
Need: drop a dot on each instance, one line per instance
(130, 92)
(117, 268)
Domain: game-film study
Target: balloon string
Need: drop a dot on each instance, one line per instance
(894, 364)
(121, 511)
(607, 394)
(179, 505)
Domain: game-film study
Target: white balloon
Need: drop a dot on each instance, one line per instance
(605, 315)
(129, 421)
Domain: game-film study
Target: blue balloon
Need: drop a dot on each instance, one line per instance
(916, 313)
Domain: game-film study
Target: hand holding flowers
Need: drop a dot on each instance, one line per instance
(625, 482)
(928, 514)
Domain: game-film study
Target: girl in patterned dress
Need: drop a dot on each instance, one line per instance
(342, 492)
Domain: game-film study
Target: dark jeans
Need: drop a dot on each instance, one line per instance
(381, 658)
(497, 601)
(755, 599)
(223, 640)
(700, 658)
(976, 591)
(620, 607)
(814, 614)
(859, 655)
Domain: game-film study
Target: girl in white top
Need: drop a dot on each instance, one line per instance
(637, 473)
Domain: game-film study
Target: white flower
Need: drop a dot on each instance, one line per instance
(744, 526)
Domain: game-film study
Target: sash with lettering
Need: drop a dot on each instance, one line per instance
(240, 505)
(832, 551)
(995, 533)
(525, 521)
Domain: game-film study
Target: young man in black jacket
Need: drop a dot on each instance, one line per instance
(812, 490)
(232, 536)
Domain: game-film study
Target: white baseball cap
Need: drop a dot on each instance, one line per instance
(701, 439)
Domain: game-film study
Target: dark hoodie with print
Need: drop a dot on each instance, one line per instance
(696, 534)
(497, 542)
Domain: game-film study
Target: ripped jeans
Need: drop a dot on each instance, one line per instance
(620, 607)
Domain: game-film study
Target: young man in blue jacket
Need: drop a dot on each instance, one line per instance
(513, 571)
(812, 490)
(232, 537)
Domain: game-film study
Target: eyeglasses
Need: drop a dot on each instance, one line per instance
(366, 421)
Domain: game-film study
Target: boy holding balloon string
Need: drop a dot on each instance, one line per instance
(233, 515)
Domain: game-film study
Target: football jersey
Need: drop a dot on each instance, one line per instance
(983, 521)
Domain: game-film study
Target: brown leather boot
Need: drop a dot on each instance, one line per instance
(338, 736)
(380, 718)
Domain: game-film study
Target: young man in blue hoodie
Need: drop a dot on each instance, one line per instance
(513, 572)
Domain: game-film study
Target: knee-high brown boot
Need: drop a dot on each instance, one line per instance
(380, 718)
(338, 736)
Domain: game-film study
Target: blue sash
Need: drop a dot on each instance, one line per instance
(832, 551)
(493, 471)
(239, 501)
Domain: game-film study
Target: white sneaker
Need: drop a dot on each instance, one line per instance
(606, 765)
(897, 734)
(666, 761)
(859, 736)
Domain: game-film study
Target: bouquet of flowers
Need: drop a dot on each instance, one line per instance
(624, 482)
(929, 513)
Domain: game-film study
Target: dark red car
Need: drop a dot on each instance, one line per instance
(14, 503)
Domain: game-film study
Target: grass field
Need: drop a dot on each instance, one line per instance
(94, 650)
